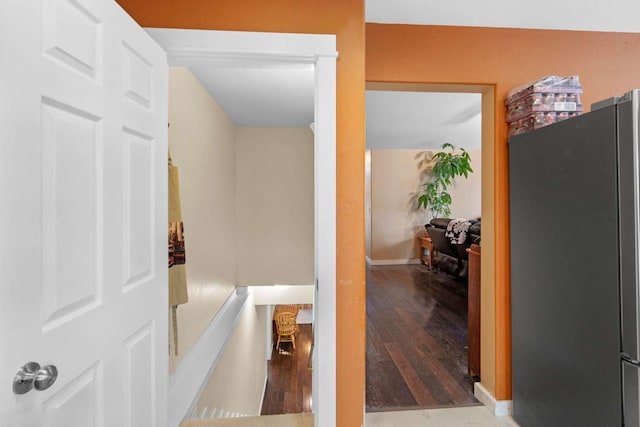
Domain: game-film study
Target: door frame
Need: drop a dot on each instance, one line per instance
(319, 50)
(492, 352)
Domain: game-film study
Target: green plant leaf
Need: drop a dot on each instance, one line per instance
(446, 166)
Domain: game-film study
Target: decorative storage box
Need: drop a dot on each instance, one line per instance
(543, 102)
(539, 119)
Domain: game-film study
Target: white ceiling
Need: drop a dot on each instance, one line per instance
(587, 15)
(422, 120)
(262, 94)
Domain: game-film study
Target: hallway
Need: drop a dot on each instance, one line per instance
(288, 389)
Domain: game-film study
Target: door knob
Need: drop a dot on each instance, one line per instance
(31, 375)
(23, 381)
(45, 377)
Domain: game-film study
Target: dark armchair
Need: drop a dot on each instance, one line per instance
(448, 253)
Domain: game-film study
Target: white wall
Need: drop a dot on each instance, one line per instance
(202, 145)
(273, 295)
(367, 202)
(237, 382)
(396, 182)
(274, 206)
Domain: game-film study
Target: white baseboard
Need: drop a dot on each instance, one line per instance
(264, 389)
(499, 408)
(194, 370)
(391, 261)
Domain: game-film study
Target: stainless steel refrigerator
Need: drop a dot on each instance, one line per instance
(575, 270)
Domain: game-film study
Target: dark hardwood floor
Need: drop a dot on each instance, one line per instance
(416, 339)
(289, 377)
(416, 346)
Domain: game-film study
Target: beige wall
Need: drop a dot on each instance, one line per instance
(466, 194)
(275, 206)
(237, 382)
(247, 204)
(202, 144)
(396, 183)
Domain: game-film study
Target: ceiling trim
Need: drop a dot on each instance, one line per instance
(218, 57)
(231, 46)
(430, 87)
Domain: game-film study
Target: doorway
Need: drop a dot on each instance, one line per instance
(486, 94)
(270, 52)
(289, 383)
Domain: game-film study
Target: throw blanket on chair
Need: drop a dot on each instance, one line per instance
(457, 230)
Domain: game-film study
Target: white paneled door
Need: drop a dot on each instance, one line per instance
(83, 217)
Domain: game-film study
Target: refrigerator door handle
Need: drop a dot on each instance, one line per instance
(626, 358)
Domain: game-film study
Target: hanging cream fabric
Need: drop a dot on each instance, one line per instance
(177, 270)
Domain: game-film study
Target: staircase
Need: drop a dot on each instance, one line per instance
(215, 413)
(289, 420)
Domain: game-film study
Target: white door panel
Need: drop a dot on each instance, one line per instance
(83, 121)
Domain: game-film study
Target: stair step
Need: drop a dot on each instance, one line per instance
(289, 420)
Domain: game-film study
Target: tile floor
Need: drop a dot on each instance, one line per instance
(476, 416)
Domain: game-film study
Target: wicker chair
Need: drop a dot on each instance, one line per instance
(286, 328)
(294, 308)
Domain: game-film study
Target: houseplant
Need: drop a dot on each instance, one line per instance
(447, 165)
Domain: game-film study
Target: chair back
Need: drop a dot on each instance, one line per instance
(286, 323)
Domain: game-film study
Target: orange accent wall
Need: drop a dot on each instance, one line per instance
(607, 63)
(345, 19)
